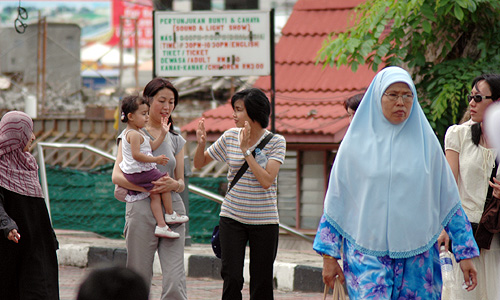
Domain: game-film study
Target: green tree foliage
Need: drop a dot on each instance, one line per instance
(444, 44)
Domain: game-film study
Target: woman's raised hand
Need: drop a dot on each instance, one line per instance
(201, 134)
(165, 125)
(245, 137)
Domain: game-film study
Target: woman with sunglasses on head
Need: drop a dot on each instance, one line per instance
(472, 161)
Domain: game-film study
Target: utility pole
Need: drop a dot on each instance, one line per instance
(136, 49)
(41, 71)
(120, 67)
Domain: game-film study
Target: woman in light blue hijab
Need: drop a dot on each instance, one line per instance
(390, 194)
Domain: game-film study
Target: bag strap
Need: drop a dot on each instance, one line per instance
(244, 167)
(493, 174)
(338, 290)
(325, 292)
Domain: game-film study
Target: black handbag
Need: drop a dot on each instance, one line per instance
(215, 241)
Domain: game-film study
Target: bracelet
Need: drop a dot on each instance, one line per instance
(178, 188)
(327, 256)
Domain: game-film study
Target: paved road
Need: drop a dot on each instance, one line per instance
(198, 288)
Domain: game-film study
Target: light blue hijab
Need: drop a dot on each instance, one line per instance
(391, 190)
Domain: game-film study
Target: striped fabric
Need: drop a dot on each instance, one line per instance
(18, 169)
(248, 202)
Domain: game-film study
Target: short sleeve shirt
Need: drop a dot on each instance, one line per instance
(248, 202)
(475, 167)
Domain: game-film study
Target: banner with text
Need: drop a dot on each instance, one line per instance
(142, 10)
(230, 43)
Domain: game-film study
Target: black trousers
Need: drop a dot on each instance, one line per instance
(263, 242)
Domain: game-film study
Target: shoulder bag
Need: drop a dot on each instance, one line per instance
(215, 241)
(490, 219)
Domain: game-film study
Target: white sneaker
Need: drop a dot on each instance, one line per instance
(175, 218)
(166, 232)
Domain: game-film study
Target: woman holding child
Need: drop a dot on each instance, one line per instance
(140, 224)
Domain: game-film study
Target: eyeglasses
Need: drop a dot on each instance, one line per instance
(478, 98)
(394, 97)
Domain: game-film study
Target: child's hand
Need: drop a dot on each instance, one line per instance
(201, 134)
(161, 160)
(165, 126)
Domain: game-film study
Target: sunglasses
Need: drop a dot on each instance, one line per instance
(478, 98)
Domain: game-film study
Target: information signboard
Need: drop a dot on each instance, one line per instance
(229, 43)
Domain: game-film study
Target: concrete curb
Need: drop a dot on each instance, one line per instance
(287, 276)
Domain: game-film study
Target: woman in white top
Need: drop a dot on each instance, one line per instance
(472, 160)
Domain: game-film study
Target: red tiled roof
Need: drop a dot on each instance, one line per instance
(319, 22)
(326, 4)
(310, 77)
(302, 117)
(309, 99)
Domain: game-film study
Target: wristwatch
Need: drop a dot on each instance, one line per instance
(247, 153)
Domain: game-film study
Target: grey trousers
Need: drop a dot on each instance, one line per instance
(142, 245)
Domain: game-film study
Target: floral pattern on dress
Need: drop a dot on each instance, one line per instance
(384, 278)
(463, 243)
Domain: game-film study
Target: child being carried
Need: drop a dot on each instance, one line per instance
(139, 164)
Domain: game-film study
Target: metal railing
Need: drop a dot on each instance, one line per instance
(41, 162)
(218, 198)
(192, 188)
